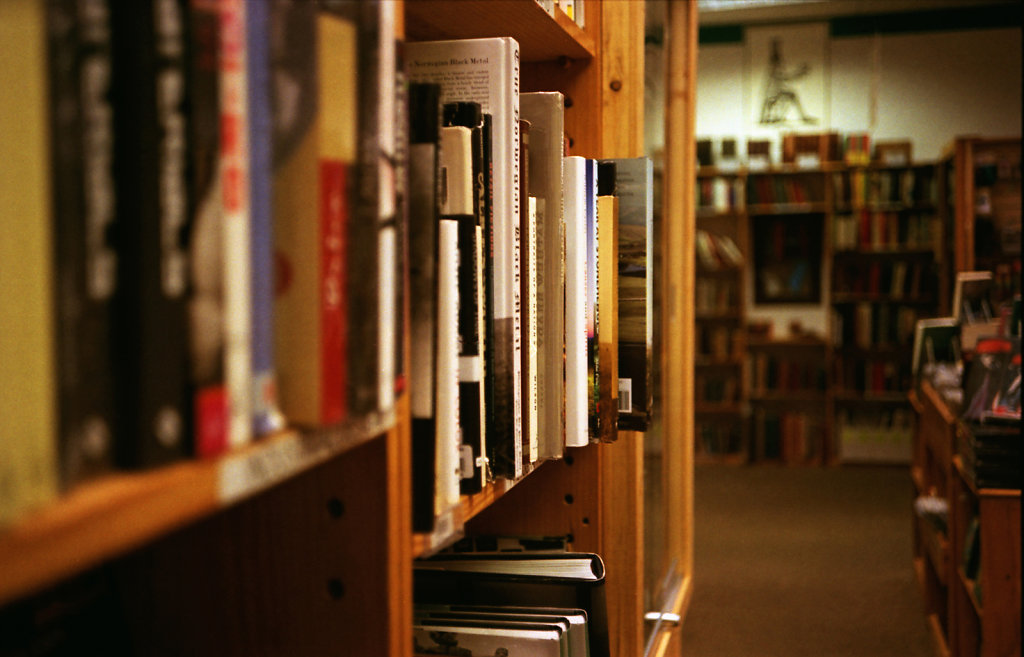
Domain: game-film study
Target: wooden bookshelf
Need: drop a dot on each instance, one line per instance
(303, 543)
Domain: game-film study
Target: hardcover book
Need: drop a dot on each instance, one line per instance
(486, 71)
(81, 120)
(153, 202)
(472, 309)
(593, 319)
(424, 134)
(576, 389)
(608, 304)
(266, 412)
(28, 403)
(455, 636)
(448, 436)
(314, 154)
(634, 188)
(527, 276)
(545, 112)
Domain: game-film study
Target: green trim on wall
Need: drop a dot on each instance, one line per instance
(940, 20)
(720, 34)
(960, 18)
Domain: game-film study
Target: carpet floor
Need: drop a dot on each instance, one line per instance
(804, 562)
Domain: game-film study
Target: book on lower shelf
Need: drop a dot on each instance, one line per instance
(561, 580)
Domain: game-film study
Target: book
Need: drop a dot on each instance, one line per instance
(573, 622)
(527, 276)
(81, 151)
(933, 343)
(314, 157)
(370, 277)
(448, 436)
(28, 403)
(424, 136)
(266, 413)
(608, 304)
(454, 636)
(473, 313)
(153, 200)
(494, 62)
(545, 112)
(576, 390)
(593, 320)
(236, 250)
(551, 579)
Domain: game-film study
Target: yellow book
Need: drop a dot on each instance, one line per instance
(28, 415)
(608, 309)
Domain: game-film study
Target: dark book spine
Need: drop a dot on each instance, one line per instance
(363, 275)
(83, 202)
(424, 125)
(149, 89)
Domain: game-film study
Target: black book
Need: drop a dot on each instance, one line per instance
(565, 580)
(83, 192)
(151, 161)
(424, 133)
(471, 300)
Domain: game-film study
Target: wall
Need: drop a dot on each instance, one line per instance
(930, 87)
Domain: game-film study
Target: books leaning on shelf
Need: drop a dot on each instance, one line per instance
(516, 583)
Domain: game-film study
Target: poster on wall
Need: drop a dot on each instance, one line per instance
(786, 72)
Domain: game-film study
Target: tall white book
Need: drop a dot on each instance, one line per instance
(486, 71)
(574, 186)
(545, 112)
(448, 472)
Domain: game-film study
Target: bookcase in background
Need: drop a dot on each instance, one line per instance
(302, 541)
(984, 188)
(721, 429)
(887, 246)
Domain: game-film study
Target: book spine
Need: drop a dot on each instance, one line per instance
(527, 350)
(149, 86)
(28, 404)
(424, 124)
(608, 305)
(266, 413)
(314, 153)
(574, 176)
(83, 211)
(592, 253)
(234, 171)
(531, 401)
(448, 472)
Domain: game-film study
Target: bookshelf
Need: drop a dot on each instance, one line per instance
(972, 605)
(302, 543)
(721, 434)
(887, 242)
(984, 189)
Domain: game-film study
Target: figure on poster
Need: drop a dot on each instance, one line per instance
(779, 95)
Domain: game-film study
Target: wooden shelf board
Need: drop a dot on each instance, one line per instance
(767, 209)
(791, 343)
(851, 297)
(937, 549)
(789, 396)
(541, 37)
(717, 408)
(894, 397)
(969, 589)
(110, 516)
(718, 362)
(917, 475)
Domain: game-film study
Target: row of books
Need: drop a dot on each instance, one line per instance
(878, 230)
(872, 325)
(240, 231)
(719, 343)
(785, 189)
(872, 376)
(793, 437)
(716, 388)
(715, 295)
(720, 194)
(892, 278)
(908, 187)
(719, 438)
(716, 251)
(778, 373)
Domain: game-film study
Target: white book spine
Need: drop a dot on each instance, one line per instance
(386, 312)
(532, 401)
(447, 391)
(574, 191)
(234, 171)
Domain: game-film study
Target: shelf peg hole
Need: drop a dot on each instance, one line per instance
(335, 588)
(569, 498)
(335, 507)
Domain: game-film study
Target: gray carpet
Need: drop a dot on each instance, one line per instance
(793, 562)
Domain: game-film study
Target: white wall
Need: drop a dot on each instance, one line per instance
(931, 88)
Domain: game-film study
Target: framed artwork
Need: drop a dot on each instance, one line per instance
(786, 71)
(787, 258)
